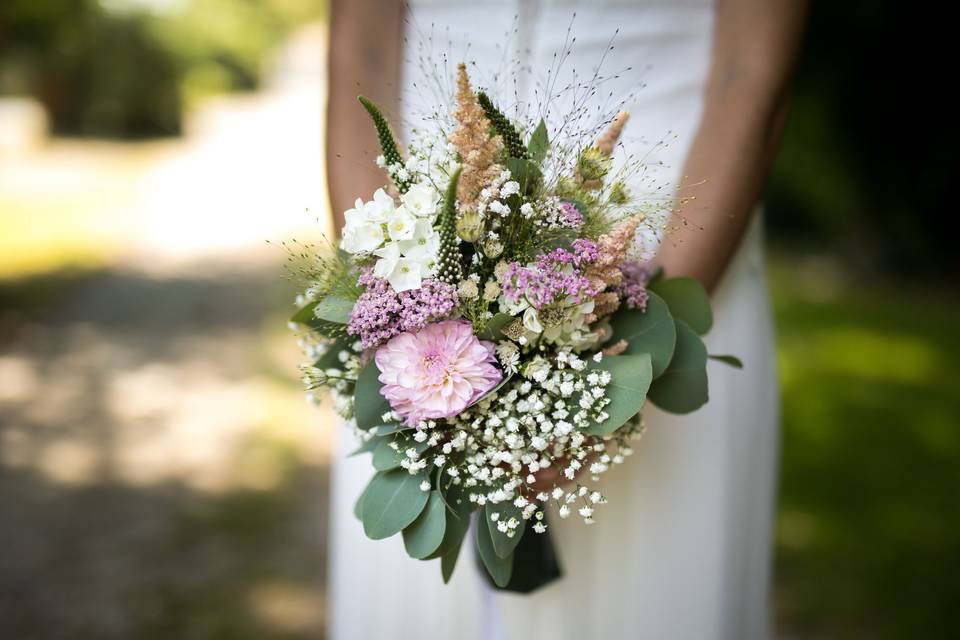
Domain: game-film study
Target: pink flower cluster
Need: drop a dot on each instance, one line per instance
(436, 372)
(381, 313)
(570, 216)
(549, 280)
(633, 285)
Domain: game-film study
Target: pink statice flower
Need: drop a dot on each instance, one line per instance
(381, 313)
(633, 285)
(436, 372)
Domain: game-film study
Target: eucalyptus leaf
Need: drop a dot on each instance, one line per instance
(366, 447)
(630, 378)
(729, 360)
(331, 357)
(499, 568)
(683, 386)
(539, 142)
(385, 457)
(688, 301)
(394, 427)
(648, 331)
(424, 536)
(391, 502)
(448, 561)
(334, 309)
(503, 545)
(358, 505)
(494, 326)
(369, 404)
(458, 521)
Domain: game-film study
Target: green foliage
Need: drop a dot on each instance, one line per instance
(387, 143)
(503, 545)
(526, 173)
(493, 327)
(688, 301)
(499, 569)
(682, 388)
(631, 376)
(330, 359)
(539, 143)
(649, 331)
(305, 316)
(729, 360)
(504, 128)
(425, 535)
(386, 457)
(334, 308)
(369, 403)
(449, 258)
(391, 502)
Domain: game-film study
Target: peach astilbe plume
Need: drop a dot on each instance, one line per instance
(604, 273)
(477, 148)
(607, 141)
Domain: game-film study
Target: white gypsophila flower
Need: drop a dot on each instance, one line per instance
(425, 485)
(421, 200)
(526, 209)
(401, 225)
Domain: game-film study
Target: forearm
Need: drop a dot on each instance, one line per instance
(728, 162)
(725, 170)
(365, 54)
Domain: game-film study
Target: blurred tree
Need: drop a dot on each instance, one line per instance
(123, 68)
(863, 171)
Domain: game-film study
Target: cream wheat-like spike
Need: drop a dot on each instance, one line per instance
(607, 141)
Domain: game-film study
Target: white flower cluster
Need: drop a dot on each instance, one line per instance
(493, 450)
(401, 236)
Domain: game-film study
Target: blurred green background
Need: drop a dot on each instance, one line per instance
(159, 476)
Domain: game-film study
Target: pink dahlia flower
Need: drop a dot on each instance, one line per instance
(437, 372)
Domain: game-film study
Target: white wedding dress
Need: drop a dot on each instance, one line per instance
(683, 549)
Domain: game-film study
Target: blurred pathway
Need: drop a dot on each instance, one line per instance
(160, 474)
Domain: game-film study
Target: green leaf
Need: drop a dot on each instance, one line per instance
(458, 521)
(304, 314)
(424, 536)
(727, 359)
(385, 457)
(525, 172)
(331, 357)
(391, 502)
(366, 447)
(498, 568)
(688, 301)
(630, 379)
(358, 505)
(539, 143)
(492, 331)
(503, 545)
(683, 386)
(334, 309)
(369, 404)
(650, 331)
(448, 561)
(390, 429)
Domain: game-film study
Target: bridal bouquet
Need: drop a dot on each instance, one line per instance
(490, 329)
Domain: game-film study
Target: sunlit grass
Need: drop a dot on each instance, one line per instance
(867, 542)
